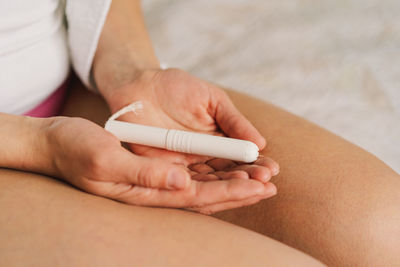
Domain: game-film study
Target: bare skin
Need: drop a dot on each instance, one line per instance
(45, 222)
(335, 201)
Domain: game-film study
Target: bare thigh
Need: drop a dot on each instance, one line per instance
(44, 222)
(335, 201)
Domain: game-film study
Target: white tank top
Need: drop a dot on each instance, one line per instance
(34, 58)
(35, 49)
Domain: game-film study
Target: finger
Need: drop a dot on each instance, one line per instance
(205, 177)
(272, 165)
(213, 208)
(118, 190)
(197, 195)
(103, 188)
(233, 123)
(170, 156)
(201, 168)
(232, 175)
(221, 164)
(192, 173)
(260, 173)
(126, 167)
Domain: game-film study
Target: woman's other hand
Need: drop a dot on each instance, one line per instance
(85, 155)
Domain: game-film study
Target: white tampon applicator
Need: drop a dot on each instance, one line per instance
(184, 141)
(181, 141)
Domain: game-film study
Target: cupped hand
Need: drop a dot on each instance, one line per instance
(176, 100)
(85, 155)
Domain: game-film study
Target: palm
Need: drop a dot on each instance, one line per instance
(173, 99)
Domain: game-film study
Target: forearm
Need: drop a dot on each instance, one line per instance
(23, 143)
(124, 47)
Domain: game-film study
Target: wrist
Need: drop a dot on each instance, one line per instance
(25, 144)
(129, 89)
(120, 67)
(124, 49)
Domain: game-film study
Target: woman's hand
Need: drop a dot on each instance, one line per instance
(174, 99)
(87, 156)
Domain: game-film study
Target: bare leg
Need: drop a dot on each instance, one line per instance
(335, 201)
(44, 222)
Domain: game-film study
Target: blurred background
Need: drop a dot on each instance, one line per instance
(336, 63)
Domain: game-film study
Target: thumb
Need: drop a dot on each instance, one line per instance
(234, 124)
(148, 172)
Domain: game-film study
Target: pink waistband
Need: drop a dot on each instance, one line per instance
(52, 105)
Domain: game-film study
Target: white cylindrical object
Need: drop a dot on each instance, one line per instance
(184, 141)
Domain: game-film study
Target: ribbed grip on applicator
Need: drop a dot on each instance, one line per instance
(183, 141)
(211, 145)
(179, 141)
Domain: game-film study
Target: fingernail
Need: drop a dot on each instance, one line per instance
(260, 190)
(176, 180)
(275, 171)
(265, 178)
(274, 191)
(265, 141)
(271, 190)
